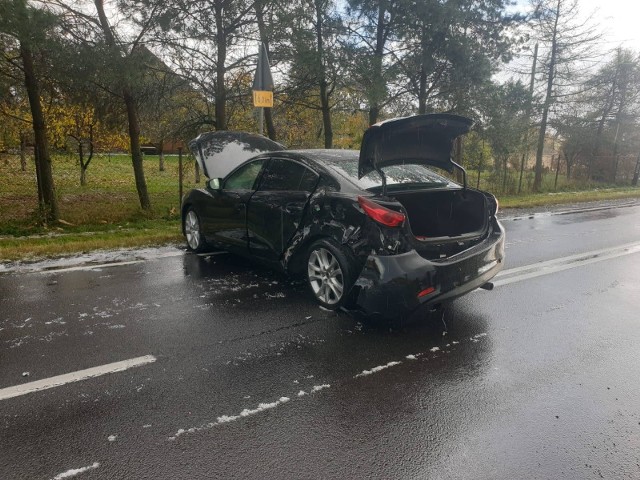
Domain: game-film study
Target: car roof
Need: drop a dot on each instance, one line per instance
(329, 162)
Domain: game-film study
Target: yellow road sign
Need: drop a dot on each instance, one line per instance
(262, 98)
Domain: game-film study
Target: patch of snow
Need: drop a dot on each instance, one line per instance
(148, 425)
(58, 320)
(435, 349)
(411, 357)
(93, 260)
(317, 388)
(112, 438)
(75, 471)
(377, 369)
(302, 393)
(25, 374)
(275, 295)
(24, 324)
(247, 412)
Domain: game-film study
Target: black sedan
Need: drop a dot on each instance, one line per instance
(375, 230)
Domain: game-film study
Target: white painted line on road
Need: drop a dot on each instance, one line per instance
(60, 380)
(527, 272)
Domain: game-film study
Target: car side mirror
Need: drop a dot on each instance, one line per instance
(214, 183)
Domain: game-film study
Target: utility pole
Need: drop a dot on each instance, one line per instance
(262, 86)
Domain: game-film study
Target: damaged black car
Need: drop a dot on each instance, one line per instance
(375, 230)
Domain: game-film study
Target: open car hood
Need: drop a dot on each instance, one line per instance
(421, 139)
(218, 153)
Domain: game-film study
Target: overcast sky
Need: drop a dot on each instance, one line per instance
(620, 20)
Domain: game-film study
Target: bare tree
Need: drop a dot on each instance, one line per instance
(613, 97)
(567, 44)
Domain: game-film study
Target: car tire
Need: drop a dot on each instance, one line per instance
(329, 273)
(193, 231)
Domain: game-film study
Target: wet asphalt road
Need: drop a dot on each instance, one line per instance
(539, 378)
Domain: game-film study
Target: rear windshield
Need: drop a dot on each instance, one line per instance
(399, 177)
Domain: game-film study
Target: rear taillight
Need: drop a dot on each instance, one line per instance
(381, 214)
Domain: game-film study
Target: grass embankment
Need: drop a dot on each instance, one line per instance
(105, 214)
(552, 198)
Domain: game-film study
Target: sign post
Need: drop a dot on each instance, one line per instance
(262, 86)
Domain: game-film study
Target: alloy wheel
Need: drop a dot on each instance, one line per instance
(325, 276)
(192, 230)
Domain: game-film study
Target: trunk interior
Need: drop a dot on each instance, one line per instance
(445, 213)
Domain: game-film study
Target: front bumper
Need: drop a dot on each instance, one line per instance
(388, 286)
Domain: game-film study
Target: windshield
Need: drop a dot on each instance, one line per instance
(399, 177)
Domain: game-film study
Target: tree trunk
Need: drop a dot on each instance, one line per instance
(322, 83)
(132, 114)
(525, 143)
(136, 154)
(422, 94)
(636, 173)
(326, 115)
(537, 182)
(568, 162)
(220, 90)
(46, 193)
(83, 176)
(161, 156)
(378, 87)
(23, 152)
(504, 175)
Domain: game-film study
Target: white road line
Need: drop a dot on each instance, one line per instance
(60, 380)
(564, 263)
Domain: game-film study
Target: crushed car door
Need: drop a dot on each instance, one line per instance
(225, 219)
(278, 205)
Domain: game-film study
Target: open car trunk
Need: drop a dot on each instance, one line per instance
(445, 215)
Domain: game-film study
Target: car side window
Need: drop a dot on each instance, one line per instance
(245, 177)
(285, 175)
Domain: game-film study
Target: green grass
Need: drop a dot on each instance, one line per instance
(553, 198)
(105, 214)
